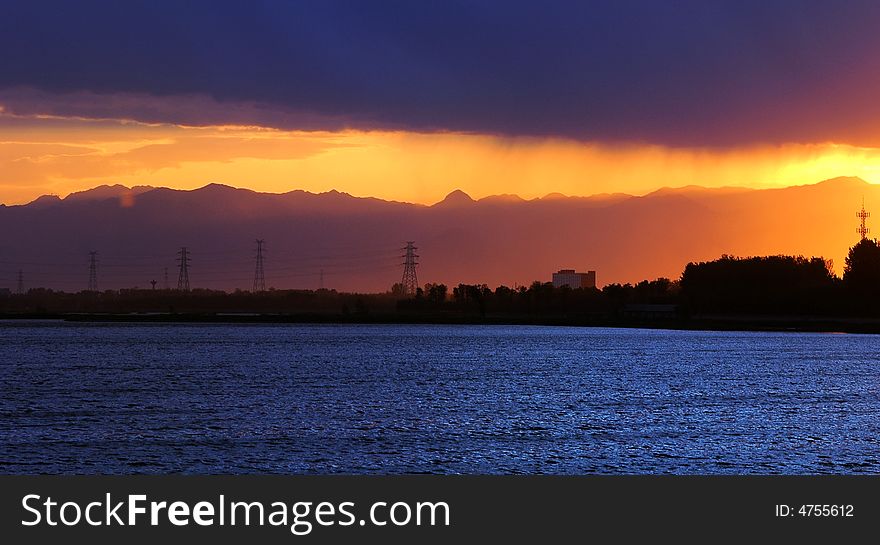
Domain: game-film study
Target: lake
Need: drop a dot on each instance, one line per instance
(317, 399)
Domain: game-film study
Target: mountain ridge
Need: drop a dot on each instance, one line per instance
(357, 241)
(456, 197)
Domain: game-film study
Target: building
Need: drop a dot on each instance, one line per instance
(574, 280)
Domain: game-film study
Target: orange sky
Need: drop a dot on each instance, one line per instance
(53, 155)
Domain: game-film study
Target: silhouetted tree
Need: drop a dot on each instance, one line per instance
(466, 295)
(861, 273)
(436, 292)
(504, 292)
(765, 285)
(398, 290)
(661, 290)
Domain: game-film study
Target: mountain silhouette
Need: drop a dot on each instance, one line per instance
(108, 192)
(357, 241)
(456, 198)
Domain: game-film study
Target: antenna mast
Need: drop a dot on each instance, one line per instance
(862, 229)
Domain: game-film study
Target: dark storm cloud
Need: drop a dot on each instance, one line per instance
(680, 73)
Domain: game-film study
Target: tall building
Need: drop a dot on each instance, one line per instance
(574, 280)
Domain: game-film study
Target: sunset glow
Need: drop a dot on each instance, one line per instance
(52, 155)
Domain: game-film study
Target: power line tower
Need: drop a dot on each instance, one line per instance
(410, 280)
(20, 287)
(93, 271)
(259, 273)
(167, 285)
(862, 229)
(183, 276)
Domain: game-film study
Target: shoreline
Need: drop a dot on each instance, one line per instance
(794, 324)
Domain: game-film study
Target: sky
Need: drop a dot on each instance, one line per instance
(410, 100)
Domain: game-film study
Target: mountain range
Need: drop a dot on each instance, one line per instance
(355, 244)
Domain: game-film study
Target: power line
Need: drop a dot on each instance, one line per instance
(116, 271)
(259, 273)
(296, 260)
(93, 271)
(410, 280)
(183, 274)
(20, 287)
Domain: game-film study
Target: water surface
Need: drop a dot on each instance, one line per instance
(233, 398)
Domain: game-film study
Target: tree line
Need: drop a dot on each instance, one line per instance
(766, 285)
(762, 285)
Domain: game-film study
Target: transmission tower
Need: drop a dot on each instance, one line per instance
(183, 275)
(410, 280)
(93, 271)
(862, 229)
(167, 286)
(20, 288)
(259, 273)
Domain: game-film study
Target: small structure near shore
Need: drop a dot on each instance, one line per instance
(574, 280)
(648, 311)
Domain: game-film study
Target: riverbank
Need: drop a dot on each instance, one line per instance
(716, 322)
